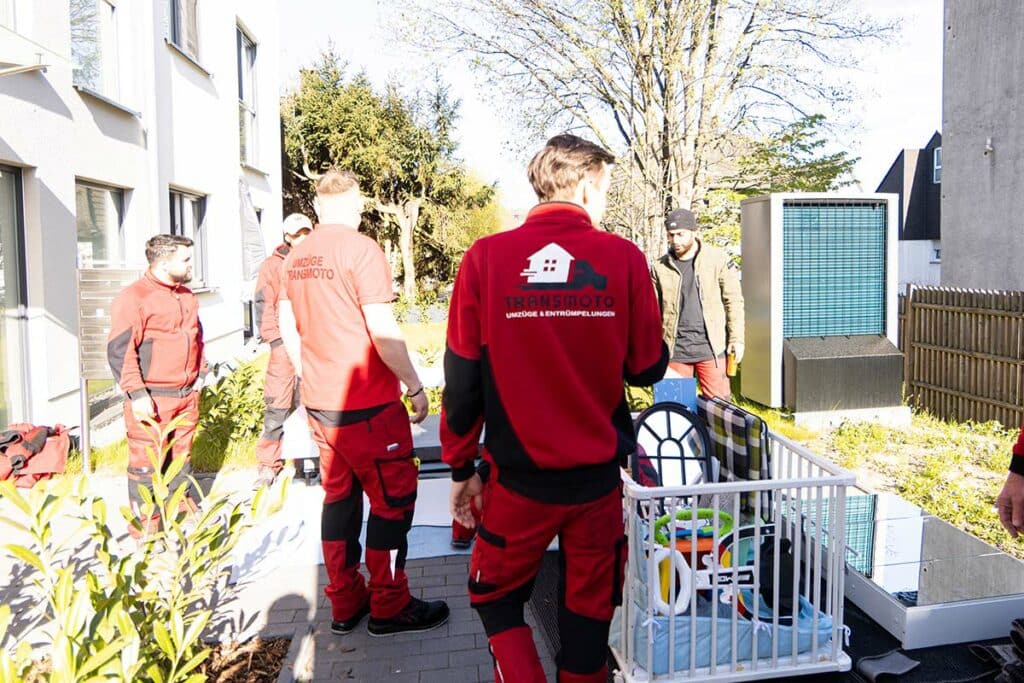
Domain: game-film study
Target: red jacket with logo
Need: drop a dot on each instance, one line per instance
(545, 323)
(1017, 461)
(268, 292)
(156, 339)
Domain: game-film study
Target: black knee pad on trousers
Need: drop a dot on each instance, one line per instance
(342, 520)
(139, 476)
(273, 422)
(388, 534)
(584, 642)
(504, 613)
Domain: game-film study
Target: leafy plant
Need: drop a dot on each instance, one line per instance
(231, 416)
(114, 614)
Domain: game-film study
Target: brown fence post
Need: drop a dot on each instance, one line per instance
(907, 336)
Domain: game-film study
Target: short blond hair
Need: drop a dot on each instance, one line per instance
(565, 160)
(337, 181)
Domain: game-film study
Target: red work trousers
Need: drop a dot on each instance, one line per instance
(512, 536)
(281, 395)
(144, 439)
(710, 376)
(375, 456)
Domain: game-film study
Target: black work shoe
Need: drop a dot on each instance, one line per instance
(346, 626)
(416, 617)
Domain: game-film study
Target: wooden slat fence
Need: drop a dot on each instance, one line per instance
(964, 353)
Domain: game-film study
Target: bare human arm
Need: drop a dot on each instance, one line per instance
(390, 344)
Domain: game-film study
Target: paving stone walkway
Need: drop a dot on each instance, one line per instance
(454, 653)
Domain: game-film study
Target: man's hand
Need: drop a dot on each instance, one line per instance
(143, 406)
(463, 495)
(1010, 504)
(420, 407)
(735, 350)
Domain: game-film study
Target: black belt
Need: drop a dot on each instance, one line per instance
(176, 393)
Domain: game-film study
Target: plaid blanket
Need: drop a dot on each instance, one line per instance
(741, 445)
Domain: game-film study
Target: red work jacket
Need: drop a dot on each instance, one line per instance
(156, 339)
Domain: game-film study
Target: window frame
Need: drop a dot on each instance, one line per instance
(17, 398)
(10, 9)
(176, 33)
(937, 165)
(200, 260)
(120, 205)
(247, 53)
(107, 81)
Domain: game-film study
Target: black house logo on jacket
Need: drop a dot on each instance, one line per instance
(563, 284)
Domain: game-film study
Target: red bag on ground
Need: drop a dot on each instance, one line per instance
(30, 453)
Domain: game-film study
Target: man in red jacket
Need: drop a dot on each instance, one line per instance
(280, 390)
(340, 333)
(1010, 502)
(545, 323)
(155, 351)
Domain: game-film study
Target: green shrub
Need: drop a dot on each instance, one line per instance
(112, 614)
(230, 418)
(401, 307)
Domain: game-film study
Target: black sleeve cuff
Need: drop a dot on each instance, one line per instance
(463, 473)
(1017, 464)
(138, 393)
(655, 373)
(484, 470)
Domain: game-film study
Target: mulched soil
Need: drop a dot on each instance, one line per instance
(257, 661)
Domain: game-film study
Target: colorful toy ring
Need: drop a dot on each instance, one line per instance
(685, 514)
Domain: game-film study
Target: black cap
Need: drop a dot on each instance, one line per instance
(681, 219)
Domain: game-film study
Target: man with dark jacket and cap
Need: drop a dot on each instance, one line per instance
(701, 305)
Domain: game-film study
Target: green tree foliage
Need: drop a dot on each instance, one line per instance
(793, 160)
(674, 88)
(402, 147)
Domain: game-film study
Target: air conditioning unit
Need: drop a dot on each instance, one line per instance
(821, 294)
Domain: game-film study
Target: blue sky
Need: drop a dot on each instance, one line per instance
(900, 84)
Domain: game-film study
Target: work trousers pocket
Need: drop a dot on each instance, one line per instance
(618, 575)
(398, 477)
(486, 564)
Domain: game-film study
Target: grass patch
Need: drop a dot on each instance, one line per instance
(954, 471)
(426, 340)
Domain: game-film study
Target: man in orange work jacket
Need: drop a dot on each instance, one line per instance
(280, 390)
(155, 351)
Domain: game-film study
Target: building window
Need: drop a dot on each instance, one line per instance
(99, 215)
(246, 49)
(937, 166)
(936, 256)
(7, 14)
(188, 218)
(94, 44)
(185, 26)
(12, 297)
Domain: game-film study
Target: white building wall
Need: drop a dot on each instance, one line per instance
(176, 126)
(918, 263)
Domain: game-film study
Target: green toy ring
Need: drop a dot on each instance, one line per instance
(724, 522)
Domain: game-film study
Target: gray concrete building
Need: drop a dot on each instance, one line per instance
(983, 144)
